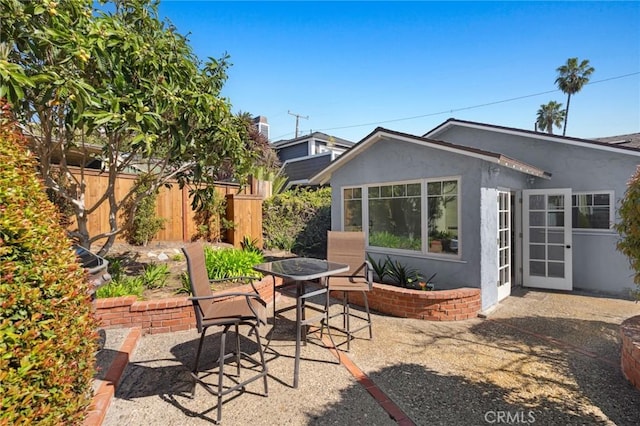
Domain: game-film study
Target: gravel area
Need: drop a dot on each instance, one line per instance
(540, 358)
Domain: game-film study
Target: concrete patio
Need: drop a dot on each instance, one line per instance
(541, 357)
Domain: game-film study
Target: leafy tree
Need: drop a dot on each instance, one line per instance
(125, 84)
(629, 226)
(550, 115)
(571, 78)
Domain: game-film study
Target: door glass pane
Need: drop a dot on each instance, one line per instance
(556, 202)
(537, 269)
(536, 218)
(555, 237)
(537, 252)
(536, 202)
(536, 235)
(556, 219)
(556, 270)
(556, 253)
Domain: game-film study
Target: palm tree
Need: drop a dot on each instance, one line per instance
(550, 115)
(571, 78)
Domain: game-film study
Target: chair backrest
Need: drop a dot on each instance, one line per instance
(346, 247)
(197, 269)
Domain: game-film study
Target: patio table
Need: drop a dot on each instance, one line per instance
(300, 271)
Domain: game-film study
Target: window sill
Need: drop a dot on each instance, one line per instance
(416, 255)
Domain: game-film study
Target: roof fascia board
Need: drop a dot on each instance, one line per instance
(324, 175)
(541, 136)
(306, 157)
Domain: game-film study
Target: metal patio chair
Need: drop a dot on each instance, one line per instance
(226, 309)
(348, 247)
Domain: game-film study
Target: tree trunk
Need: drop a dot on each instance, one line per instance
(566, 115)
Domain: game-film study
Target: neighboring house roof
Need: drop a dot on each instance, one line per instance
(315, 135)
(630, 140)
(325, 175)
(592, 143)
(298, 170)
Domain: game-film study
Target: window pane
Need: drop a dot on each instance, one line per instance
(592, 211)
(374, 192)
(352, 214)
(601, 200)
(555, 236)
(556, 252)
(556, 270)
(386, 191)
(556, 219)
(434, 188)
(395, 223)
(536, 235)
(537, 269)
(536, 219)
(399, 190)
(442, 217)
(537, 252)
(413, 189)
(536, 202)
(556, 202)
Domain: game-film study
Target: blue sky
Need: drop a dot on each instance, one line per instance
(409, 66)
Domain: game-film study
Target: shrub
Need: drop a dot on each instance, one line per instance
(127, 286)
(298, 221)
(225, 263)
(403, 275)
(48, 334)
(629, 227)
(144, 225)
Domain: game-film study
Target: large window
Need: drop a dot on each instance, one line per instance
(419, 216)
(395, 213)
(592, 210)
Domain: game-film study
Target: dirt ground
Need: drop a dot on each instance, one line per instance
(135, 258)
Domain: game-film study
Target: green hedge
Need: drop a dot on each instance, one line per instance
(298, 221)
(48, 334)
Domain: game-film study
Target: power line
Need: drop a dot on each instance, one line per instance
(450, 111)
(471, 107)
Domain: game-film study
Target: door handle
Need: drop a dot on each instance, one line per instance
(568, 246)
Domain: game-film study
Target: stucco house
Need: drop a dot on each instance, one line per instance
(488, 206)
(305, 156)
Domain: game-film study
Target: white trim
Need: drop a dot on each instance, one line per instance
(306, 157)
(612, 201)
(586, 143)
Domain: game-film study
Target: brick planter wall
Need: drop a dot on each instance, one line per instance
(439, 305)
(630, 362)
(161, 315)
(176, 314)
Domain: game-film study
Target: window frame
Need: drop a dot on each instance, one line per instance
(424, 232)
(611, 194)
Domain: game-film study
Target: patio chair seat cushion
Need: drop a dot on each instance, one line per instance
(232, 309)
(348, 283)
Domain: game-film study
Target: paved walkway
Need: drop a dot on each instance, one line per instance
(541, 357)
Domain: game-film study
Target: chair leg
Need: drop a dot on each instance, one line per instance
(262, 359)
(348, 321)
(221, 359)
(366, 307)
(195, 367)
(238, 360)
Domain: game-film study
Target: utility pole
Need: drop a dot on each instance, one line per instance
(298, 117)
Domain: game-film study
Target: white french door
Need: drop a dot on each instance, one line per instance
(547, 259)
(504, 244)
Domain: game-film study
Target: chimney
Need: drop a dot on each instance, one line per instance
(262, 125)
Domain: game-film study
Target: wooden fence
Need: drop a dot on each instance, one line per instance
(244, 208)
